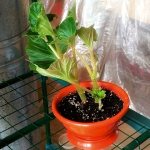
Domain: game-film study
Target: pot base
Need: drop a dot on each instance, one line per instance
(92, 144)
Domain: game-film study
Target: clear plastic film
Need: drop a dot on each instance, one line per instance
(123, 46)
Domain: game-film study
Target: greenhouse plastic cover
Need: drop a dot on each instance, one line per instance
(123, 27)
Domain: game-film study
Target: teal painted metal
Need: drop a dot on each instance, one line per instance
(139, 140)
(46, 109)
(143, 121)
(61, 82)
(52, 147)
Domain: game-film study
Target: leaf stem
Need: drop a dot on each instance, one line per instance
(94, 71)
(75, 59)
(81, 91)
(85, 64)
(54, 51)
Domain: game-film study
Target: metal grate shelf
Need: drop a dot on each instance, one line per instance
(27, 123)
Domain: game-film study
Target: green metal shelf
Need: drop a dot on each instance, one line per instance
(26, 118)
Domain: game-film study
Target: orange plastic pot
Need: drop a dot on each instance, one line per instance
(97, 135)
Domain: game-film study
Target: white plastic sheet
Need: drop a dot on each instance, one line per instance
(123, 27)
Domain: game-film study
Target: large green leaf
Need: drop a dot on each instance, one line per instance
(61, 69)
(88, 35)
(66, 29)
(39, 52)
(38, 20)
(62, 44)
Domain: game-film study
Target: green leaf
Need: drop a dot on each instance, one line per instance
(39, 52)
(88, 35)
(30, 32)
(66, 29)
(63, 46)
(61, 69)
(38, 20)
(98, 94)
(72, 11)
(49, 39)
(32, 67)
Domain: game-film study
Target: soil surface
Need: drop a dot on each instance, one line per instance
(72, 108)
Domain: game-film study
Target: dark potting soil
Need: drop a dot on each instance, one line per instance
(72, 108)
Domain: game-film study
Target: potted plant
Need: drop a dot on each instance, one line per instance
(89, 110)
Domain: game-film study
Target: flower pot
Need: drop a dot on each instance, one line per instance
(96, 135)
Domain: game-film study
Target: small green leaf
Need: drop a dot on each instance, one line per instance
(66, 29)
(88, 35)
(39, 52)
(101, 94)
(98, 94)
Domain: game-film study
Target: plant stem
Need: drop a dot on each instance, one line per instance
(79, 89)
(81, 93)
(85, 64)
(58, 49)
(75, 60)
(94, 66)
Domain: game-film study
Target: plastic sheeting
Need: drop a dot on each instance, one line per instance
(123, 27)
